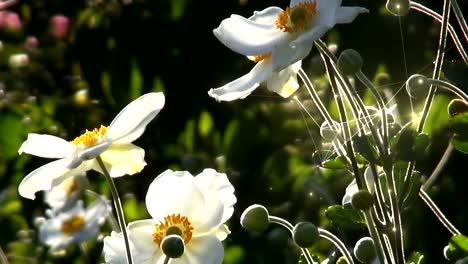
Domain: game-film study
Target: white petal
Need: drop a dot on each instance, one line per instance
(289, 54)
(221, 232)
(306, 40)
(249, 37)
(47, 176)
(97, 212)
(216, 188)
(114, 250)
(50, 233)
(285, 82)
(267, 16)
(202, 250)
(174, 193)
(346, 14)
(245, 85)
(122, 159)
(141, 234)
(350, 190)
(66, 193)
(47, 146)
(131, 122)
(331, 3)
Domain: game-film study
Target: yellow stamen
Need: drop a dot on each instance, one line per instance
(173, 225)
(296, 18)
(90, 138)
(73, 224)
(261, 57)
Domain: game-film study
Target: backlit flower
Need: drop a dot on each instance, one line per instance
(65, 194)
(112, 144)
(285, 36)
(194, 208)
(73, 226)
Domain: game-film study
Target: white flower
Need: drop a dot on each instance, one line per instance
(195, 208)
(112, 143)
(284, 37)
(73, 226)
(66, 193)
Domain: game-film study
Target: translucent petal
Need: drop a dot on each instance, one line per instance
(217, 188)
(289, 54)
(285, 82)
(245, 85)
(47, 176)
(122, 159)
(131, 122)
(267, 16)
(203, 250)
(347, 14)
(47, 146)
(248, 37)
(141, 235)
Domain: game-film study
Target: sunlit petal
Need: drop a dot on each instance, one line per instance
(285, 82)
(131, 122)
(47, 146)
(267, 16)
(141, 235)
(346, 14)
(202, 250)
(122, 159)
(248, 37)
(288, 54)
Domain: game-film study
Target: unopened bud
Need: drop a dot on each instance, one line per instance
(364, 250)
(362, 200)
(417, 86)
(398, 7)
(305, 234)
(457, 106)
(350, 62)
(173, 246)
(255, 218)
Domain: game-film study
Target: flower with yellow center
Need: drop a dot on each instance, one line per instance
(74, 225)
(112, 144)
(287, 35)
(194, 208)
(66, 193)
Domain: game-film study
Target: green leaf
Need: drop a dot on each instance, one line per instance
(460, 241)
(421, 142)
(459, 124)
(461, 144)
(345, 216)
(365, 146)
(205, 124)
(335, 164)
(415, 258)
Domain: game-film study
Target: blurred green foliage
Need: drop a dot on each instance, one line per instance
(116, 50)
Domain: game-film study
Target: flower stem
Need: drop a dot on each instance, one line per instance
(450, 227)
(427, 11)
(166, 260)
(438, 168)
(461, 20)
(280, 221)
(112, 220)
(337, 242)
(118, 207)
(450, 87)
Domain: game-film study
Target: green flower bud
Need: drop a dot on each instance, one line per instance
(341, 260)
(364, 250)
(255, 218)
(457, 106)
(417, 86)
(305, 234)
(398, 7)
(349, 62)
(173, 246)
(362, 200)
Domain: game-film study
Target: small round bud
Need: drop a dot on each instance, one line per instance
(457, 106)
(328, 132)
(173, 246)
(362, 200)
(417, 86)
(398, 7)
(305, 234)
(364, 250)
(350, 62)
(255, 218)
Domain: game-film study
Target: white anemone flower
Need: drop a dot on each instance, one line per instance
(73, 226)
(283, 36)
(112, 144)
(195, 208)
(66, 193)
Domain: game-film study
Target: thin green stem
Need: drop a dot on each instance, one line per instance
(438, 168)
(449, 87)
(461, 20)
(429, 12)
(280, 221)
(382, 251)
(112, 220)
(337, 242)
(450, 227)
(166, 260)
(118, 207)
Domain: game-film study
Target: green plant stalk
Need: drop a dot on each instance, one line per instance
(429, 12)
(166, 260)
(382, 251)
(337, 242)
(450, 227)
(118, 207)
(461, 20)
(280, 221)
(449, 87)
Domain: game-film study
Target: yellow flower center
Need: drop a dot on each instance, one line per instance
(173, 225)
(90, 138)
(73, 224)
(296, 18)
